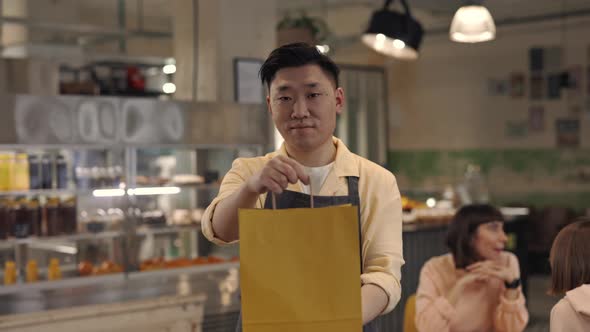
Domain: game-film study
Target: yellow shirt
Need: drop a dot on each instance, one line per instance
(381, 211)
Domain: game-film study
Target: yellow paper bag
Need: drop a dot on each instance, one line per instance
(300, 270)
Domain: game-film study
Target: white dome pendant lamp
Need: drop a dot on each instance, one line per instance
(472, 23)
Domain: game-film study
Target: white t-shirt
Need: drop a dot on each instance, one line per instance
(317, 177)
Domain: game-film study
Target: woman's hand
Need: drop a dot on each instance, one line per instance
(471, 279)
(493, 269)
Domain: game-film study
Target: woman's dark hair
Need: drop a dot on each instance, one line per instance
(462, 229)
(296, 55)
(570, 257)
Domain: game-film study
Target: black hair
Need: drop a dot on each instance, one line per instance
(296, 55)
(463, 227)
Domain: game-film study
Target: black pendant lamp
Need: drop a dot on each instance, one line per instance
(394, 34)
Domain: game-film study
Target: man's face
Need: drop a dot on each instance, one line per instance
(303, 102)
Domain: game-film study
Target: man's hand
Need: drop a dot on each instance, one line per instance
(276, 176)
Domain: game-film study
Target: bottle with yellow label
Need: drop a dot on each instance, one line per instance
(9, 273)
(21, 172)
(4, 172)
(54, 272)
(32, 271)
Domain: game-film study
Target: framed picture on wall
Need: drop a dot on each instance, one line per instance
(536, 118)
(247, 86)
(575, 80)
(516, 85)
(497, 87)
(553, 58)
(516, 129)
(536, 57)
(567, 132)
(554, 83)
(537, 86)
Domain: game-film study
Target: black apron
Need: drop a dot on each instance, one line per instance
(291, 199)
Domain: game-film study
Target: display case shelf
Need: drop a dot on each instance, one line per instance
(75, 192)
(114, 277)
(39, 192)
(142, 230)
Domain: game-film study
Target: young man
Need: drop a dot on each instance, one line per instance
(304, 99)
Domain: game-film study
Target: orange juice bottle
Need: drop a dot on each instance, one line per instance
(9, 273)
(54, 272)
(32, 271)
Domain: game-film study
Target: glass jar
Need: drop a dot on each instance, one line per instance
(83, 180)
(9, 273)
(22, 223)
(95, 178)
(10, 215)
(53, 221)
(46, 172)
(32, 211)
(68, 214)
(4, 226)
(32, 271)
(61, 169)
(53, 271)
(34, 172)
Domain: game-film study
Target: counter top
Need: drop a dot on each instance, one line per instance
(510, 214)
(218, 282)
(168, 310)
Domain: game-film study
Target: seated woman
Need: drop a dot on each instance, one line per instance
(476, 287)
(570, 274)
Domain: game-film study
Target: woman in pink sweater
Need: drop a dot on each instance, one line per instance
(476, 287)
(570, 274)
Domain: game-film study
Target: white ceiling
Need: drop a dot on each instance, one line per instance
(432, 12)
(438, 13)
(344, 17)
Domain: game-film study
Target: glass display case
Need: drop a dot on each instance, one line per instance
(130, 203)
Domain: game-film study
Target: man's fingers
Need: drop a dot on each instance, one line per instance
(298, 168)
(288, 171)
(279, 178)
(272, 185)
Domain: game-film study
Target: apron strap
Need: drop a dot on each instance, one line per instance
(274, 197)
(353, 191)
(353, 186)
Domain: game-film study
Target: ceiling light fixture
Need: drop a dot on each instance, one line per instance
(169, 69)
(394, 34)
(472, 23)
(324, 49)
(169, 87)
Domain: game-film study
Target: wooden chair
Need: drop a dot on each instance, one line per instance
(410, 314)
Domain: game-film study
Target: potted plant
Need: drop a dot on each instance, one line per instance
(301, 28)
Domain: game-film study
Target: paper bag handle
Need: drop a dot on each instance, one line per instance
(274, 198)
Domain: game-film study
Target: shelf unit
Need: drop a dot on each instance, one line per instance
(150, 138)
